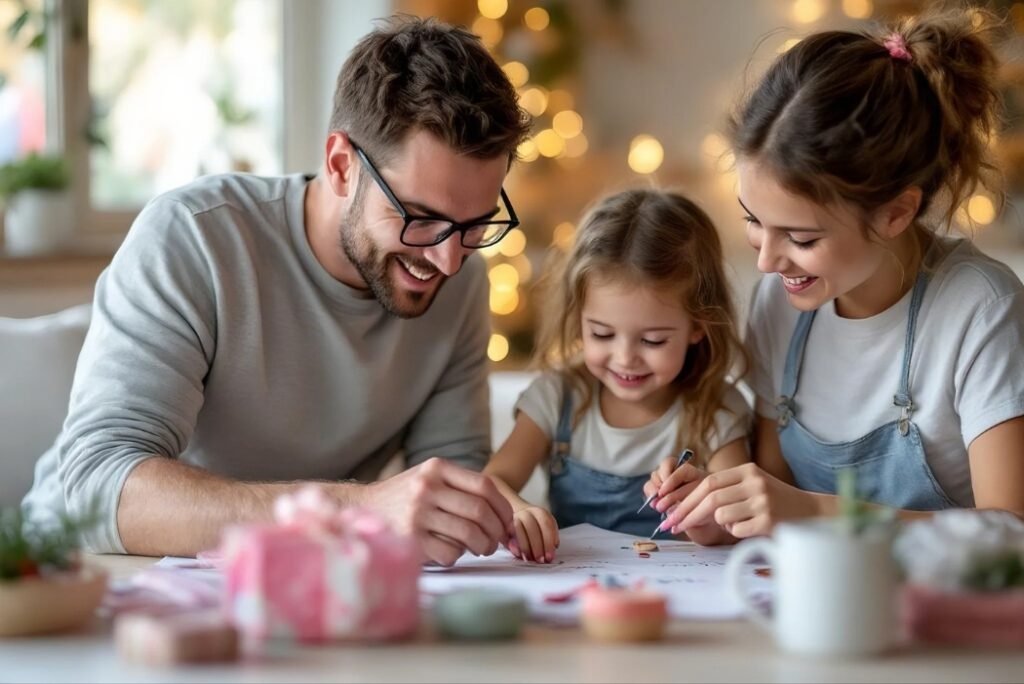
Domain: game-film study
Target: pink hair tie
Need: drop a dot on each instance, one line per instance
(897, 47)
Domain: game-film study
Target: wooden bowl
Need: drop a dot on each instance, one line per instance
(38, 605)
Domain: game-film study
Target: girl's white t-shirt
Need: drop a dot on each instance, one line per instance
(627, 452)
(966, 372)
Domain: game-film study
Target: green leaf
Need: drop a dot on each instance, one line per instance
(19, 23)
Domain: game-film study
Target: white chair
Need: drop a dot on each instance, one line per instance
(37, 364)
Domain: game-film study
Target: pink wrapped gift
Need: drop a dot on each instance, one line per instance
(321, 573)
(994, 618)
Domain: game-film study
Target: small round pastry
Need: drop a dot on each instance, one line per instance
(623, 614)
(480, 614)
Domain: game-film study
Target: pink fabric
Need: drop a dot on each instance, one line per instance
(321, 573)
(969, 617)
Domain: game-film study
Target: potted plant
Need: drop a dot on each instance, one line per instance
(37, 217)
(44, 586)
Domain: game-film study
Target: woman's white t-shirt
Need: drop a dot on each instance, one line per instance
(966, 372)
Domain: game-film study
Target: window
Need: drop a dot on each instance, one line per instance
(22, 79)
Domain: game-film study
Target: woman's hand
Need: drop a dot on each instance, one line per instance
(671, 485)
(744, 500)
(536, 535)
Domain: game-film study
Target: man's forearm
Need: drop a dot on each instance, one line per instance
(169, 508)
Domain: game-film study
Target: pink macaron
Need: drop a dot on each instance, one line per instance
(614, 614)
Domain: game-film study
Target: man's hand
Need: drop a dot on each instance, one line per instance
(447, 509)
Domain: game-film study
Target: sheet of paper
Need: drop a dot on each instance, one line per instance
(691, 576)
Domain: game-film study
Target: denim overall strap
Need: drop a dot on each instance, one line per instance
(563, 434)
(902, 397)
(889, 461)
(578, 493)
(794, 362)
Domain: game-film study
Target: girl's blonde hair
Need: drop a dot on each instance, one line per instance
(654, 239)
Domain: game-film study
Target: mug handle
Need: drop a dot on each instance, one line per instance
(747, 550)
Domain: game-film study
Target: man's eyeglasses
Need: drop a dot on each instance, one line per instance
(425, 230)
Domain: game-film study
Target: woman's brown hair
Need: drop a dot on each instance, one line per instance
(861, 117)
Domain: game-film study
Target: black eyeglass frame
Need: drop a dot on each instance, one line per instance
(511, 223)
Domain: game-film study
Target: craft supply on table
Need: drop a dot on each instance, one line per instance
(644, 546)
(964, 578)
(615, 614)
(321, 573)
(480, 614)
(175, 637)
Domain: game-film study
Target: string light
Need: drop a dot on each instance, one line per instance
(492, 9)
(527, 150)
(563, 234)
(497, 348)
(504, 302)
(645, 154)
(517, 73)
(513, 244)
(489, 30)
(981, 210)
(858, 9)
(536, 18)
(567, 124)
(534, 100)
(806, 11)
(549, 143)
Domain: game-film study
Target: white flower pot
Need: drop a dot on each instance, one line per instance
(37, 222)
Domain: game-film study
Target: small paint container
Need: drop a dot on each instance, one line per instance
(610, 614)
(480, 614)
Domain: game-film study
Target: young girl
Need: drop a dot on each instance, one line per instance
(635, 347)
(877, 343)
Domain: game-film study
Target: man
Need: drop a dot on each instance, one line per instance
(255, 333)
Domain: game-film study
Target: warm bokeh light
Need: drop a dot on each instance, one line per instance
(788, 45)
(534, 100)
(563, 234)
(504, 302)
(527, 150)
(512, 244)
(549, 143)
(490, 252)
(560, 98)
(807, 11)
(576, 146)
(567, 124)
(523, 267)
(536, 18)
(489, 30)
(981, 210)
(517, 73)
(497, 348)
(503, 277)
(645, 154)
(858, 9)
(492, 9)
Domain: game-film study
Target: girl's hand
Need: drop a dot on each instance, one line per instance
(745, 500)
(536, 535)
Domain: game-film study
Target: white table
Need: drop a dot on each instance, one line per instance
(692, 651)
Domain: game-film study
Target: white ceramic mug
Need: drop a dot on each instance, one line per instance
(834, 590)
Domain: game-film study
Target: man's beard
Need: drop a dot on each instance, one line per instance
(373, 267)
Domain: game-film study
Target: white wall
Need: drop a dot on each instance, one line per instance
(318, 36)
